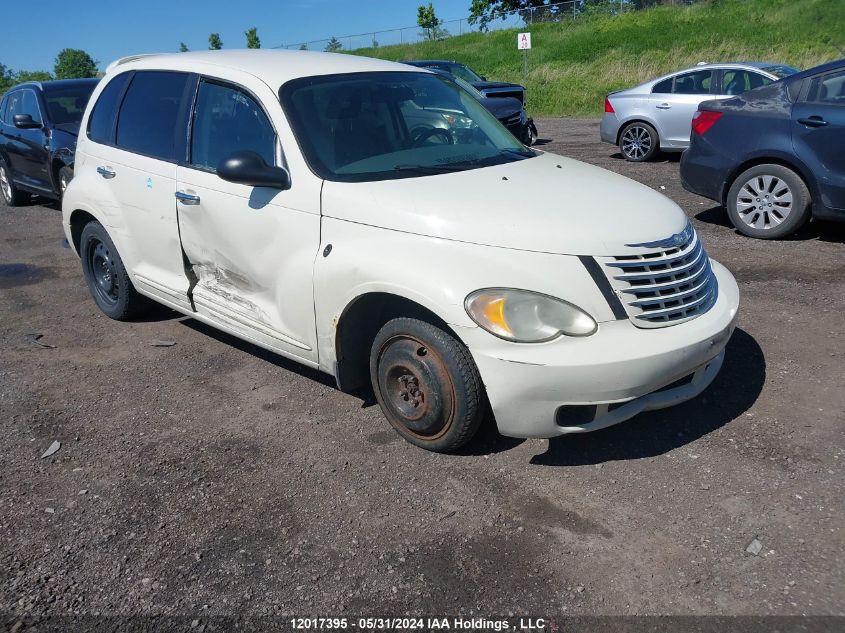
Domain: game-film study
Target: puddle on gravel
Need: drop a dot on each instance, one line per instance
(14, 275)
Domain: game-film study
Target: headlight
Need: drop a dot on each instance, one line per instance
(527, 317)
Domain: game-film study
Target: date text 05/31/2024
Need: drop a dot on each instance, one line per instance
(424, 624)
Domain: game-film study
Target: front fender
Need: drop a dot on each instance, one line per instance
(434, 273)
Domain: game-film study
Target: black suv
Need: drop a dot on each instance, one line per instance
(490, 89)
(39, 123)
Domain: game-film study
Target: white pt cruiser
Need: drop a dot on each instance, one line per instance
(374, 221)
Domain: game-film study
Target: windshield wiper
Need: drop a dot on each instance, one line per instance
(522, 153)
(432, 169)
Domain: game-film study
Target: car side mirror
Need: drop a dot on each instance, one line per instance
(25, 122)
(248, 168)
(483, 78)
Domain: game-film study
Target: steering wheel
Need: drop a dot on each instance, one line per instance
(426, 134)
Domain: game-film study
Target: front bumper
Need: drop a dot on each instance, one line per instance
(621, 369)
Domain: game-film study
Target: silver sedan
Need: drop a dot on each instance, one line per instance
(657, 114)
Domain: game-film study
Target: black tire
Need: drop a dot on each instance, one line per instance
(530, 134)
(427, 385)
(13, 196)
(781, 208)
(638, 142)
(106, 276)
(65, 176)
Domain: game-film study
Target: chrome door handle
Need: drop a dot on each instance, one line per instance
(813, 121)
(105, 172)
(187, 198)
(664, 106)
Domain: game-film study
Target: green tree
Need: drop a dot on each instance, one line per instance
(183, 48)
(334, 46)
(214, 42)
(73, 63)
(33, 75)
(483, 12)
(7, 78)
(252, 40)
(431, 25)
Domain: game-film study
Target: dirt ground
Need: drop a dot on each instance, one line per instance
(212, 478)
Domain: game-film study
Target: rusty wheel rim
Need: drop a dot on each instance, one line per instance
(416, 390)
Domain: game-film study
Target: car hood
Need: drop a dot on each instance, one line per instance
(548, 204)
(503, 107)
(71, 129)
(484, 85)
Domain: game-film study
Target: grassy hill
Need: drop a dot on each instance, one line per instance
(574, 63)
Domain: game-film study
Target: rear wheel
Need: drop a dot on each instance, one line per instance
(768, 202)
(11, 194)
(107, 279)
(427, 385)
(638, 142)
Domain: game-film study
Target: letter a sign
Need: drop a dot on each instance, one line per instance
(523, 41)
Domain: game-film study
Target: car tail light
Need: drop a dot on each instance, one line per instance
(703, 120)
(607, 106)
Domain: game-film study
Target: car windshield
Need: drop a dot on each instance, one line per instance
(66, 104)
(781, 71)
(377, 125)
(463, 72)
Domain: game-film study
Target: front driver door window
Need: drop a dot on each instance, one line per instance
(250, 254)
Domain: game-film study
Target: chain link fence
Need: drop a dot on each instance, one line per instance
(556, 12)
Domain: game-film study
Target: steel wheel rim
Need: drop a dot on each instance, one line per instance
(103, 272)
(636, 142)
(764, 202)
(415, 388)
(5, 184)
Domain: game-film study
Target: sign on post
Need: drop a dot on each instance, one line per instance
(523, 41)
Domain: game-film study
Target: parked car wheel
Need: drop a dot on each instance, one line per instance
(426, 384)
(106, 275)
(638, 142)
(531, 134)
(768, 202)
(65, 176)
(11, 194)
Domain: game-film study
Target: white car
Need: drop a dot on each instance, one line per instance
(279, 196)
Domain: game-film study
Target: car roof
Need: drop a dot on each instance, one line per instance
(834, 65)
(431, 61)
(55, 84)
(273, 66)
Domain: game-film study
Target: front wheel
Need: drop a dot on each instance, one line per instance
(106, 276)
(638, 142)
(768, 202)
(531, 134)
(65, 176)
(426, 384)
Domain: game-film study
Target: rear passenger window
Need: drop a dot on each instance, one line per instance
(664, 87)
(149, 116)
(228, 120)
(697, 83)
(828, 89)
(3, 108)
(101, 123)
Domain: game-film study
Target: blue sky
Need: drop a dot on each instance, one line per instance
(114, 28)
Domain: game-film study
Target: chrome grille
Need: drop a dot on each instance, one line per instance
(664, 285)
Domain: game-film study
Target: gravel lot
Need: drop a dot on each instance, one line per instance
(212, 478)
